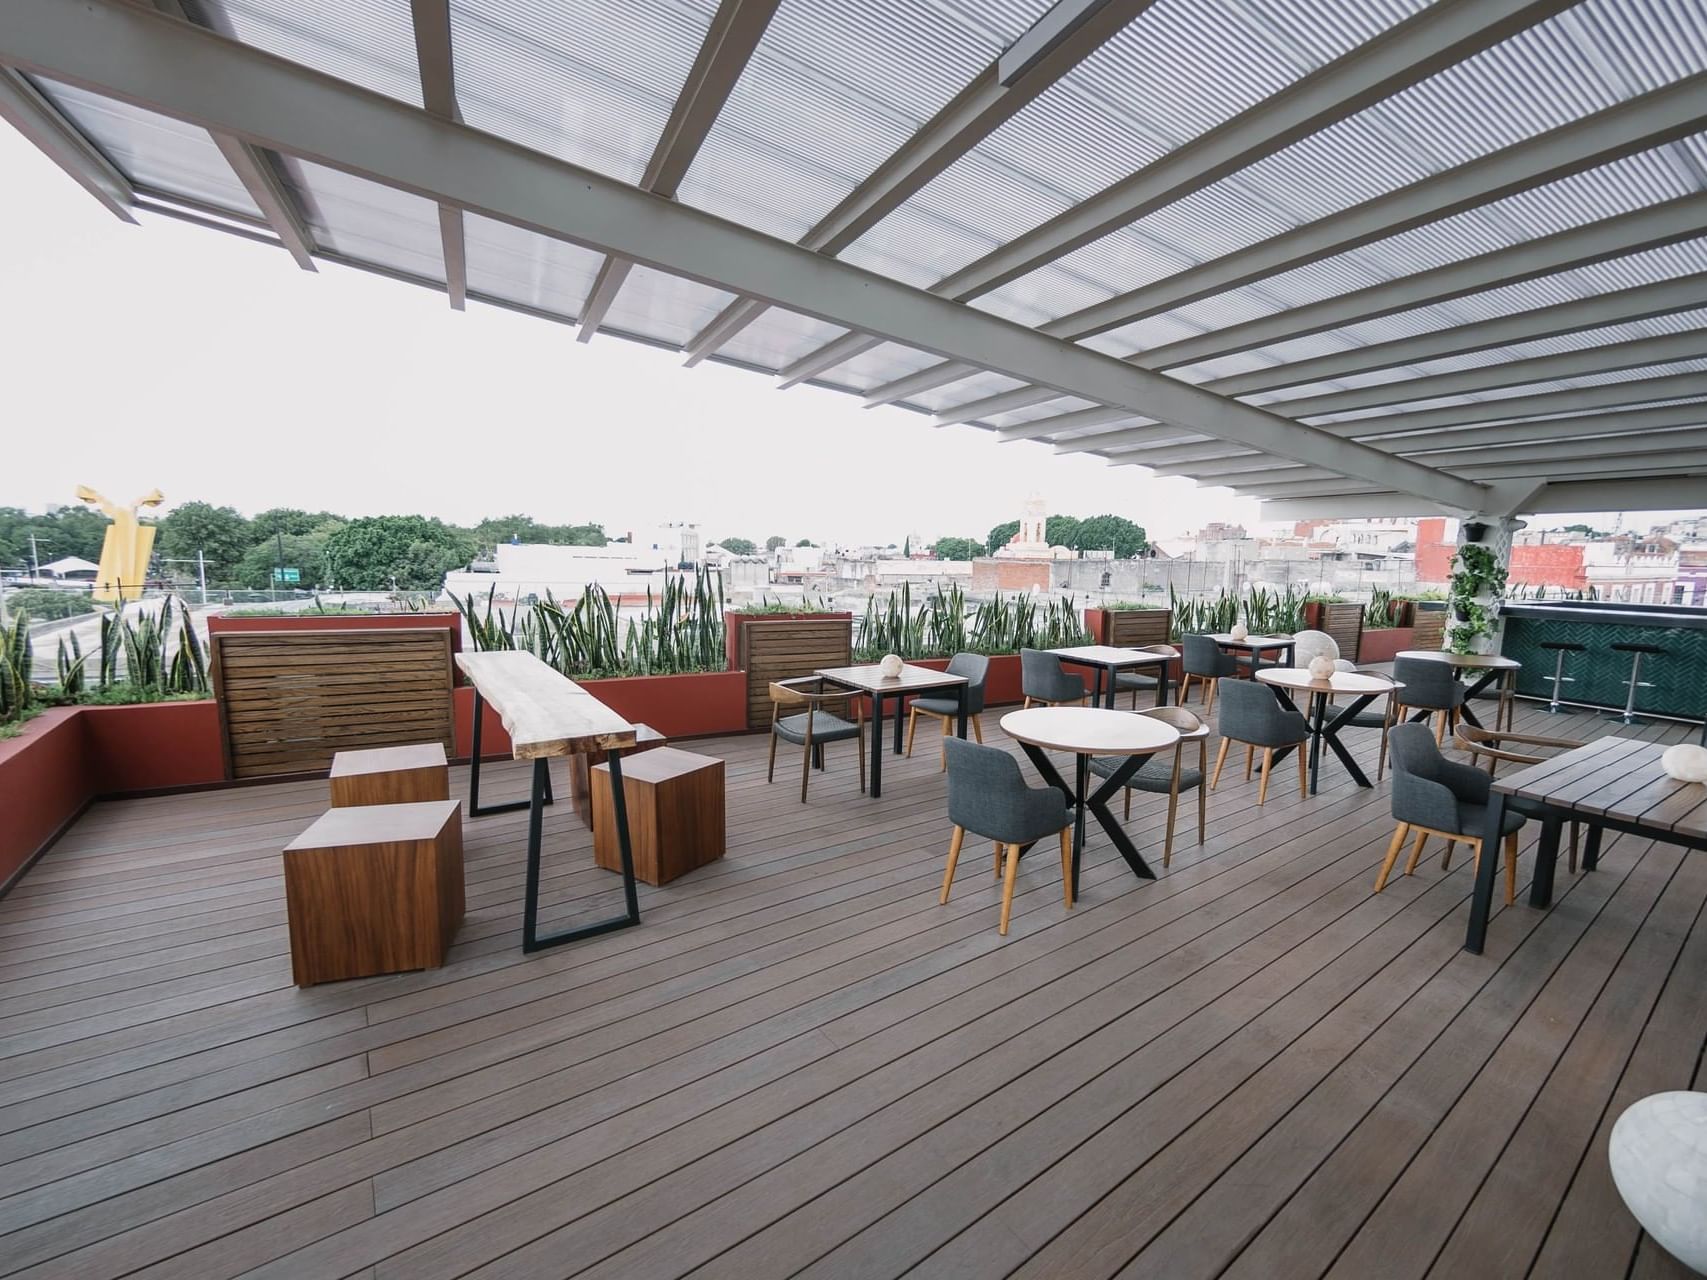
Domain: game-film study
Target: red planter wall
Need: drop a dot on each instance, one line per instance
(154, 746)
(46, 777)
(1380, 646)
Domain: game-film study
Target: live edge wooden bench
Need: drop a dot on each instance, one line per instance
(580, 778)
(548, 715)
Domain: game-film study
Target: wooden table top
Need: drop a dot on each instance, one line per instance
(1090, 731)
(1464, 661)
(1108, 655)
(1620, 778)
(544, 712)
(1251, 642)
(870, 678)
(1339, 682)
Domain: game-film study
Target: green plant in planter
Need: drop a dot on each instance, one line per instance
(16, 659)
(1476, 573)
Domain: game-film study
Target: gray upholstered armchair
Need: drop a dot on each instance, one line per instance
(1142, 679)
(988, 796)
(1434, 796)
(1430, 684)
(1043, 680)
(1201, 659)
(975, 667)
(1252, 714)
(813, 723)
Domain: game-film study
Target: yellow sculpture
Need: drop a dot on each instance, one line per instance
(128, 544)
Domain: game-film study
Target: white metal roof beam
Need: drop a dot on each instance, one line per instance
(729, 43)
(1645, 493)
(1633, 354)
(1641, 302)
(181, 71)
(438, 94)
(26, 110)
(1403, 55)
(1067, 33)
(1127, 438)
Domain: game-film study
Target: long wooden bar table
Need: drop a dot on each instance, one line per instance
(547, 714)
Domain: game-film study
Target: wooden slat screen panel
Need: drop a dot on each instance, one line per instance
(788, 648)
(1344, 622)
(1133, 629)
(289, 700)
(1429, 630)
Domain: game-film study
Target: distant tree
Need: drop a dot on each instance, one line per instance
(1099, 533)
(498, 529)
(804, 542)
(304, 552)
(907, 547)
(1001, 535)
(219, 533)
(366, 554)
(957, 548)
(288, 520)
(1061, 531)
(774, 541)
(1586, 531)
(738, 546)
(69, 531)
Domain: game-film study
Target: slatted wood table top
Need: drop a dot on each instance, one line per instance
(1618, 778)
(1464, 661)
(1339, 682)
(1108, 655)
(870, 678)
(545, 713)
(1090, 730)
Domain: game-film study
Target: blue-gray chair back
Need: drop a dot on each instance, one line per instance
(1429, 684)
(1041, 677)
(1201, 656)
(1250, 713)
(975, 667)
(988, 795)
(1428, 789)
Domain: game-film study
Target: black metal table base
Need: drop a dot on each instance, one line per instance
(1096, 802)
(874, 784)
(1323, 730)
(540, 796)
(1103, 681)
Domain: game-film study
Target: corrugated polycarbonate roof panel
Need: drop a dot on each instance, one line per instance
(592, 83)
(525, 267)
(779, 338)
(367, 42)
(663, 307)
(833, 90)
(883, 364)
(367, 222)
(153, 150)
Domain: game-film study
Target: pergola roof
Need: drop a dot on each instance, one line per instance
(1349, 256)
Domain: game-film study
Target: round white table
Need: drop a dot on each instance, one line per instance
(1087, 732)
(1364, 688)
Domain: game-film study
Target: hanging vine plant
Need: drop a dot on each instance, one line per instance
(1477, 575)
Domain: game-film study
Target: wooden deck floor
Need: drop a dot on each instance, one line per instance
(800, 1063)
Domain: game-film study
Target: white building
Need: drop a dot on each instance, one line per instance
(521, 570)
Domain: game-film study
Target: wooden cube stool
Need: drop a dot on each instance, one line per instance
(580, 777)
(675, 813)
(374, 889)
(390, 775)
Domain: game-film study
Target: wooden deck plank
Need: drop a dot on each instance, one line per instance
(801, 1061)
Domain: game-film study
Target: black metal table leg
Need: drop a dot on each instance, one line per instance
(1591, 847)
(1546, 859)
(531, 939)
(1081, 784)
(877, 744)
(1162, 685)
(1331, 736)
(1474, 692)
(475, 809)
(1098, 804)
(1105, 687)
(900, 706)
(1318, 714)
(1487, 868)
(960, 711)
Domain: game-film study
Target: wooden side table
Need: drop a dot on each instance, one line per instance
(675, 813)
(580, 772)
(390, 775)
(374, 889)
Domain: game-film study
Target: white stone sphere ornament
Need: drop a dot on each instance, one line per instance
(1240, 631)
(1322, 667)
(1686, 762)
(1658, 1154)
(890, 666)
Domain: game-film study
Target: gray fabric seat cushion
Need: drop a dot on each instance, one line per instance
(1155, 775)
(1133, 680)
(1472, 818)
(825, 728)
(940, 706)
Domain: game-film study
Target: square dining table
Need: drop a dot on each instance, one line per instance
(1107, 661)
(870, 680)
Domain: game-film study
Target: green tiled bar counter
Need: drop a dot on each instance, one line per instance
(1679, 675)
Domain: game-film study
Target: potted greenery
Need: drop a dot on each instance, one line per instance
(1473, 594)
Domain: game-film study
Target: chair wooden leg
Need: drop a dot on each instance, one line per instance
(1250, 761)
(1262, 784)
(1511, 869)
(1026, 705)
(1381, 761)
(977, 728)
(1446, 858)
(1067, 866)
(770, 772)
(1393, 847)
(1184, 690)
(998, 859)
(1173, 807)
(1220, 759)
(806, 767)
(912, 725)
(1214, 683)
(1440, 729)
(1008, 886)
(954, 842)
(1303, 774)
(1416, 853)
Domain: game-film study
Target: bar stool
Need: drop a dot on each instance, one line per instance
(1561, 647)
(1636, 682)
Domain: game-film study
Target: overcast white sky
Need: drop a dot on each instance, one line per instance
(165, 355)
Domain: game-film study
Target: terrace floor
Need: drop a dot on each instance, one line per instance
(799, 1062)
